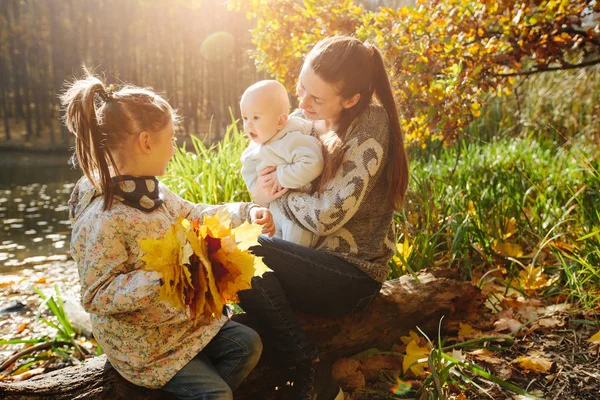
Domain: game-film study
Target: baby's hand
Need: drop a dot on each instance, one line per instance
(263, 216)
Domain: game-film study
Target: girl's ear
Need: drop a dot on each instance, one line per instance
(282, 121)
(144, 142)
(348, 103)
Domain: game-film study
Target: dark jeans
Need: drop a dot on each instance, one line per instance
(220, 367)
(305, 280)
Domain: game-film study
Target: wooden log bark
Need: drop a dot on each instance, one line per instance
(403, 304)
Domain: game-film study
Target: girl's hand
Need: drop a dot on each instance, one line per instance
(267, 189)
(263, 216)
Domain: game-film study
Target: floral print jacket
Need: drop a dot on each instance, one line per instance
(146, 340)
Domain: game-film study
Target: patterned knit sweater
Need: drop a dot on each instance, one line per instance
(353, 218)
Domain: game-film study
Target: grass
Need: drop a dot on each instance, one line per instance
(210, 174)
(44, 352)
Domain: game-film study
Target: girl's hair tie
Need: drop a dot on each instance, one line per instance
(107, 93)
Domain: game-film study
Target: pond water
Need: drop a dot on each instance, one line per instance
(34, 192)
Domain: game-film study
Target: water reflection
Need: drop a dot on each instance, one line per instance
(34, 191)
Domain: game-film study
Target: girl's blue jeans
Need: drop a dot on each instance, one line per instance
(306, 280)
(220, 367)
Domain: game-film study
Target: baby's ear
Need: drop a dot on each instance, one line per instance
(282, 121)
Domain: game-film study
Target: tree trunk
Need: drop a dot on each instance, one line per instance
(403, 304)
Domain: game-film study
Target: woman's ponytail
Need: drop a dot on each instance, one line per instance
(397, 169)
(81, 118)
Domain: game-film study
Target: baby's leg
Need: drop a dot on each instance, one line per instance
(278, 217)
(295, 233)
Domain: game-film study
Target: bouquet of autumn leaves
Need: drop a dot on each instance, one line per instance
(204, 264)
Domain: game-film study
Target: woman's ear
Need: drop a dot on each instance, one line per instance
(283, 118)
(348, 103)
(144, 142)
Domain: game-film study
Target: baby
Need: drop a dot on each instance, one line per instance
(282, 142)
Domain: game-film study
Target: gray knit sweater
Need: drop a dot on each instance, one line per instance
(353, 218)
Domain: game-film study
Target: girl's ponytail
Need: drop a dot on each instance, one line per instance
(397, 162)
(81, 118)
(102, 123)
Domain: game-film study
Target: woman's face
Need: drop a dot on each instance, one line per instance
(318, 99)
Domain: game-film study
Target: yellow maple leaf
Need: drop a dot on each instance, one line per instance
(507, 249)
(595, 338)
(534, 363)
(412, 336)
(246, 235)
(259, 266)
(413, 360)
(167, 256)
(533, 278)
(217, 225)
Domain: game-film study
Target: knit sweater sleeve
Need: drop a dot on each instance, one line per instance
(364, 160)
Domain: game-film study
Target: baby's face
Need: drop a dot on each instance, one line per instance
(260, 120)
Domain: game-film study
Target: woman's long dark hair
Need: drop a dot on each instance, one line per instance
(101, 123)
(358, 68)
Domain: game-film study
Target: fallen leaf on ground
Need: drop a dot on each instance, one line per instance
(507, 249)
(466, 331)
(533, 278)
(534, 363)
(346, 371)
(486, 356)
(414, 353)
(372, 365)
(507, 322)
(595, 338)
(549, 322)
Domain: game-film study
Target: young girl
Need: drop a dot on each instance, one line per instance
(124, 139)
(350, 212)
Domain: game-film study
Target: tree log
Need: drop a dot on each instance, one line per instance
(403, 304)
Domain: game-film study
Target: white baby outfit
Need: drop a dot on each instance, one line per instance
(299, 160)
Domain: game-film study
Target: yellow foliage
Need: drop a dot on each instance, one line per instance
(533, 278)
(414, 353)
(507, 249)
(444, 57)
(534, 363)
(204, 265)
(168, 256)
(595, 338)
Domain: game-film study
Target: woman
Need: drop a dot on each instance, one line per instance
(350, 211)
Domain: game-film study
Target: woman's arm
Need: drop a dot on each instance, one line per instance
(364, 161)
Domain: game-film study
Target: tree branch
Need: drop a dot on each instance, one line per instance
(566, 67)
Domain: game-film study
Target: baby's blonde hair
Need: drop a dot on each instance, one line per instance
(270, 91)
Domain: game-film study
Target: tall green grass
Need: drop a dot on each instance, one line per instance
(210, 174)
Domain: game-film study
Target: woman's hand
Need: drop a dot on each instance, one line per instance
(263, 216)
(267, 189)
